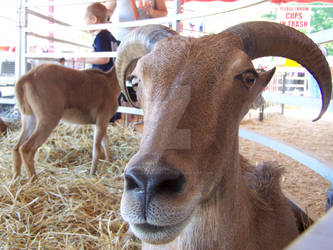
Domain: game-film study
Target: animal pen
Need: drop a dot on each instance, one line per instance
(66, 209)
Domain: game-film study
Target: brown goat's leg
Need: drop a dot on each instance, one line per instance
(105, 140)
(28, 126)
(29, 148)
(105, 145)
(100, 132)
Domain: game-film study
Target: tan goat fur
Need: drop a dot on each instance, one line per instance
(213, 157)
(187, 187)
(50, 93)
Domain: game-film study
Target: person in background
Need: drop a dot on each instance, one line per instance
(97, 13)
(144, 9)
(62, 61)
(131, 10)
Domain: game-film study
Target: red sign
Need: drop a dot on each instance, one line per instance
(296, 17)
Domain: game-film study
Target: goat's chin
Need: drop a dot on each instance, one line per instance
(157, 235)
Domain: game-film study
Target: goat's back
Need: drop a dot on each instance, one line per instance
(58, 86)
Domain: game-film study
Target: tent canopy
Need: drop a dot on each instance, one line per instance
(274, 1)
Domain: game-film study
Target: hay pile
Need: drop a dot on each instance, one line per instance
(65, 208)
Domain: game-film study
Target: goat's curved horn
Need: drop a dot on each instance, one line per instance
(272, 39)
(136, 44)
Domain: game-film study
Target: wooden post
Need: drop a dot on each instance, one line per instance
(261, 113)
(329, 199)
(283, 90)
(135, 11)
(3, 127)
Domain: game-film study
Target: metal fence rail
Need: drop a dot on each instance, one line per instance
(322, 167)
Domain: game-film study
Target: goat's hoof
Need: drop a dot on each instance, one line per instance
(92, 173)
(16, 176)
(109, 159)
(33, 178)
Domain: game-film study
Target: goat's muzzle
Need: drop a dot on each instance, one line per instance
(150, 199)
(162, 181)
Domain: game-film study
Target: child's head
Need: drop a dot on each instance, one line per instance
(96, 13)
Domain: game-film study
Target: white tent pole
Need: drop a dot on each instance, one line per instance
(177, 7)
(21, 46)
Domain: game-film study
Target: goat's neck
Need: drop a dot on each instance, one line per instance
(221, 219)
(217, 222)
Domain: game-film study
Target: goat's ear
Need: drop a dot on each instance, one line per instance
(265, 77)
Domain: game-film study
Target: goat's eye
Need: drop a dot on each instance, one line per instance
(248, 79)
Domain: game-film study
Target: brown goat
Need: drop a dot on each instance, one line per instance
(3, 127)
(186, 187)
(49, 93)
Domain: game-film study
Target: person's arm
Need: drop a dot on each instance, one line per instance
(111, 6)
(160, 9)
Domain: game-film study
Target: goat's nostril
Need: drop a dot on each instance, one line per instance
(175, 185)
(135, 180)
(161, 181)
(130, 183)
(168, 183)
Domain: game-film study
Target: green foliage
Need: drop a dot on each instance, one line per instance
(329, 47)
(271, 16)
(321, 19)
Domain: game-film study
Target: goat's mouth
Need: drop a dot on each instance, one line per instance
(154, 234)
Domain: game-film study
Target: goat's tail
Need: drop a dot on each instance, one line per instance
(20, 93)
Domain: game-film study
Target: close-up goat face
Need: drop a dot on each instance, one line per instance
(180, 100)
(185, 186)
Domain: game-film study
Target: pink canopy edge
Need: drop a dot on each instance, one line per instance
(273, 1)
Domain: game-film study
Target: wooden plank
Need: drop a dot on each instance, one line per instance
(130, 110)
(70, 55)
(324, 36)
(57, 40)
(318, 236)
(7, 101)
(298, 101)
(50, 19)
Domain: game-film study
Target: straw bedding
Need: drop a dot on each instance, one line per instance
(67, 209)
